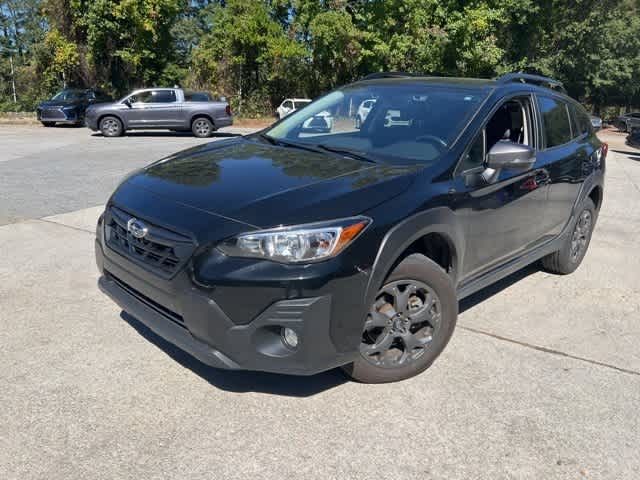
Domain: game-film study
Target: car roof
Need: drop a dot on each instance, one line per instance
(504, 87)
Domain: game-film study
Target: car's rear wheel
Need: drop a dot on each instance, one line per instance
(202, 127)
(48, 124)
(111, 127)
(570, 256)
(409, 323)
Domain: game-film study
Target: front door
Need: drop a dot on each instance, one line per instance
(502, 217)
(153, 109)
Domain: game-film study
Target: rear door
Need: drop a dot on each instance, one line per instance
(565, 151)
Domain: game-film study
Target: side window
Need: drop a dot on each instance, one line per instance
(142, 97)
(163, 96)
(474, 158)
(512, 122)
(555, 117)
(581, 122)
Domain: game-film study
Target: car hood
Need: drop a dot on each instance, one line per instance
(263, 185)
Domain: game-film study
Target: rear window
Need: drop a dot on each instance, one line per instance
(555, 116)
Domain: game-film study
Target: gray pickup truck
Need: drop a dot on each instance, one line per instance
(160, 108)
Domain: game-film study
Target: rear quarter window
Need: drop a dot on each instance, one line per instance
(581, 121)
(556, 121)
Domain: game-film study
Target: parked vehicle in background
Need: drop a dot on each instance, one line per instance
(69, 106)
(160, 108)
(290, 105)
(596, 122)
(623, 122)
(363, 110)
(633, 139)
(295, 252)
(321, 122)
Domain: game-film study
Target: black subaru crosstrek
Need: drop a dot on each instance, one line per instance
(296, 251)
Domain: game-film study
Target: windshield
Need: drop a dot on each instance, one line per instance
(395, 122)
(69, 95)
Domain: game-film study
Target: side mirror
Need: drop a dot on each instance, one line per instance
(127, 102)
(507, 154)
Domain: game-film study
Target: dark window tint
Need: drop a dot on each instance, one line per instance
(555, 116)
(163, 96)
(581, 121)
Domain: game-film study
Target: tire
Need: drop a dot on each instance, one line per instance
(49, 124)
(202, 127)
(431, 319)
(111, 126)
(570, 256)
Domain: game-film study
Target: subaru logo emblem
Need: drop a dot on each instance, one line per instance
(136, 228)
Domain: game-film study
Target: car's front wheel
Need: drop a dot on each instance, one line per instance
(409, 323)
(202, 127)
(111, 127)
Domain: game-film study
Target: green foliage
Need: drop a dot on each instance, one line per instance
(257, 52)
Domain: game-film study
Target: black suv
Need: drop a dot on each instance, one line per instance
(296, 251)
(69, 106)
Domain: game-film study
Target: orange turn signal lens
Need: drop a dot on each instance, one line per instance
(348, 234)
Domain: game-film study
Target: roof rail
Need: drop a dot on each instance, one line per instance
(373, 76)
(534, 79)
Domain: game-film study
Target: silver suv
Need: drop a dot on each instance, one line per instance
(160, 108)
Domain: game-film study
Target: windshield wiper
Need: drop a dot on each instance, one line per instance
(347, 152)
(317, 148)
(268, 138)
(287, 143)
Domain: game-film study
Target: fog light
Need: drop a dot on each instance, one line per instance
(289, 337)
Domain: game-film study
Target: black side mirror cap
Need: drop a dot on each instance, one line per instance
(508, 154)
(127, 102)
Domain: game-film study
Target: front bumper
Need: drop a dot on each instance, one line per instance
(59, 115)
(188, 316)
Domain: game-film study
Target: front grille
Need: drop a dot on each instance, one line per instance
(170, 314)
(162, 250)
(52, 114)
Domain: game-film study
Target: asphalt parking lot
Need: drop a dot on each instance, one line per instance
(541, 379)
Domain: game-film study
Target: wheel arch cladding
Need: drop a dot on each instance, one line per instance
(435, 233)
(198, 115)
(596, 196)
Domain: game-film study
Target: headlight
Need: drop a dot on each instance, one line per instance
(299, 244)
